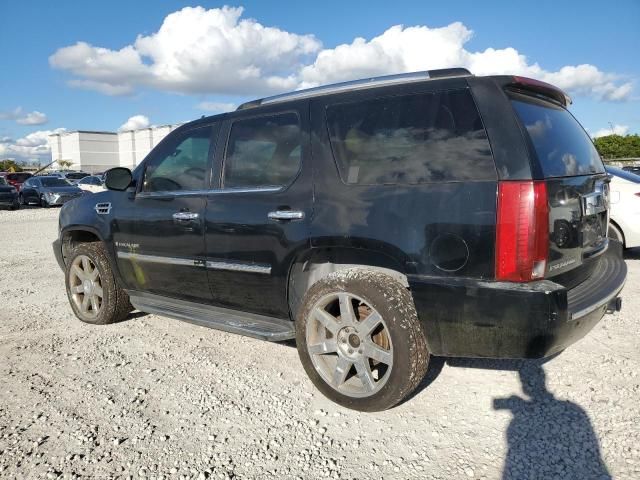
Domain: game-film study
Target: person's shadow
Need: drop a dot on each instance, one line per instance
(548, 438)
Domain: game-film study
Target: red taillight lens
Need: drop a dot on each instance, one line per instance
(522, 233)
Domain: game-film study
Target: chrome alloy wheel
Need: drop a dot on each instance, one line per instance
(349, 345)
(86, 286)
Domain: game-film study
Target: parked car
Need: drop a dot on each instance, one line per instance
(625, 207)
(48, 191)
(8, 195)
(70, 175)
(16, 179)
(377, 222)
(92, 183)
(632, 169)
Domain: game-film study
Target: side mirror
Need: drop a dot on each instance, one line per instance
(118, 178)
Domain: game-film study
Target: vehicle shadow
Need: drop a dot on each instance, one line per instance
(632, 254)
(547, 437)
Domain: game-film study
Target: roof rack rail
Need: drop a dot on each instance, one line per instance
(358, 85)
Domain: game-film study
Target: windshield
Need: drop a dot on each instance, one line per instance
(624, 174)
(76, 176)
(54, 182)
(562, 146)
(19, 177)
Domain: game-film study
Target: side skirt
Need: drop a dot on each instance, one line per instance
(233, 321)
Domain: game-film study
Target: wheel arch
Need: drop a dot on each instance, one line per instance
(317, 263)
(619, 228)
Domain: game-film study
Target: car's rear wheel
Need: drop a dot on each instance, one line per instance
(615, 233)
(92, 290)
(360, 340)
(43, 202)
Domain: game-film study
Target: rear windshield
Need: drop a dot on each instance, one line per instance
(19, 177)
(624, 174)
(54, 182)
(562, 146)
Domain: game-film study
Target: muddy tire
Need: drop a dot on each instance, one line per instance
(92, 290)
(360, 340)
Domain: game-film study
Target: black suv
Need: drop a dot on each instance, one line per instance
(377, 222)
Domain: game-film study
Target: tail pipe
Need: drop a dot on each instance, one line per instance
(614, 305)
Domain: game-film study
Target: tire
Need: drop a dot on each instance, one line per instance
(615, 233)
(339, 353)
(15, 206)
(82, 282)
(21, 200)
(43, 202)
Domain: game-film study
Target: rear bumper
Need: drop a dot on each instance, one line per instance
(474, 318)
(8, 199)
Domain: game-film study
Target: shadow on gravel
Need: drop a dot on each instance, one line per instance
(632, 254)
(547, 437)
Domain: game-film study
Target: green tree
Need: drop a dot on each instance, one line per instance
(65, 164)
(618, 146)
(9, 165)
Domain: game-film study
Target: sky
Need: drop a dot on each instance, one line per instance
(113, 65)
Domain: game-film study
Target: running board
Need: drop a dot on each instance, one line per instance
(233, 321)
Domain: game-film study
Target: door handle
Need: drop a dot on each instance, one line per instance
(286, 215)
(185, 216)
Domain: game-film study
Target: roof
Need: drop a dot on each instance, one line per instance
(361, 84)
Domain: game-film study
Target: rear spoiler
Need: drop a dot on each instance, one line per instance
(537, 87)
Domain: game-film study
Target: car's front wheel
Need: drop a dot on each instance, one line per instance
(43, 202)
(15, 205)
(21, 200)
(615, 233)
(93, 293)
(360, 340)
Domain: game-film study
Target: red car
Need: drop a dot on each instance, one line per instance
(16, 179)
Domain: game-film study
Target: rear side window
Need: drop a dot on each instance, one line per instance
(263, 152)
(410, 139)
(562, 146)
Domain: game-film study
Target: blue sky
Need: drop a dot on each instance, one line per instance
(175, 76)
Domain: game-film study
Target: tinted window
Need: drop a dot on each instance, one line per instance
(180, 164)
(54, 182)
(624, 174)
(76, 176)
(410, 139)
(562, 146)
(263, 151)
(19, 177)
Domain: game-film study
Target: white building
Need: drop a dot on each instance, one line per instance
(95, 152)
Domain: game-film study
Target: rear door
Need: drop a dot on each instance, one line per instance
(577, 187)
(258, 217)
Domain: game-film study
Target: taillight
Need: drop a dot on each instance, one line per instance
(522, 231)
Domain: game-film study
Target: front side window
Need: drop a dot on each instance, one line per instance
(410, 139)
(181, 164)
(263, 152)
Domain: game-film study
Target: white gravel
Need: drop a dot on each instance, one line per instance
(157, 398)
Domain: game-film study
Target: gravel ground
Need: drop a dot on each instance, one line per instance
(157, 398)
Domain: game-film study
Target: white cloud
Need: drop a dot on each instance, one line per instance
(401, 49)
(134, 123)
(24, 118)
(216, 107)
(32, 146)
(196, 50)
(616, 130)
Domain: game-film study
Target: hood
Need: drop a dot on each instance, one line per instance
(69, 189)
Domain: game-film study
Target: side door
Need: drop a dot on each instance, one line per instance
(258, 218)
(164, 250)
(29, 190)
